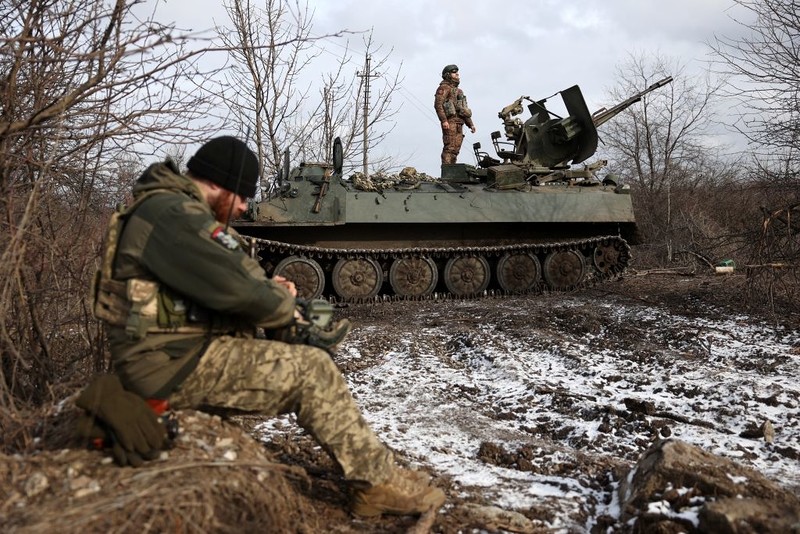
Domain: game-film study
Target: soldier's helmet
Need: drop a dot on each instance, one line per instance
(448, 69)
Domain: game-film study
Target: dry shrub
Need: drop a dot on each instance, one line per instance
(706, 224)
(755, 224)
(774, 269)
(216, 479)
(775, 289)
(86, 85)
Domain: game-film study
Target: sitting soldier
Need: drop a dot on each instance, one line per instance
(183, 301)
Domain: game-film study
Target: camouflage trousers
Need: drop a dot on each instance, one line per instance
(452, 138)
(271, 378)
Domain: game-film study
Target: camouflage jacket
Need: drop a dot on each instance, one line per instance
(451, 103)
(203, 275)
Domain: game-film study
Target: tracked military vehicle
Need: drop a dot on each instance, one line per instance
(531, 219)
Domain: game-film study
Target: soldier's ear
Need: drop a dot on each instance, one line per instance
(213, 186)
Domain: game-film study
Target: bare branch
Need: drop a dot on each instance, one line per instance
(763, 66)
(273, 88)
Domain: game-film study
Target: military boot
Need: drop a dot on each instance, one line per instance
(419, 477)
(404, 493)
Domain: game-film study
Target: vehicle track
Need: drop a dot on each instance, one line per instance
(424, 273)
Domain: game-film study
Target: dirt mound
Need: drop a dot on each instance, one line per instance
(216, 478)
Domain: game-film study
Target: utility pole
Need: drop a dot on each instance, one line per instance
(366, 75)
(327, 125)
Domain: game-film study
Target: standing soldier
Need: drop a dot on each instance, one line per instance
(453, 112)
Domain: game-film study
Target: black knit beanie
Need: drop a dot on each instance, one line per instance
(228, 162)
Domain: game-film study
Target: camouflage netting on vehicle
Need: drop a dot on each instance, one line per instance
(408, 178)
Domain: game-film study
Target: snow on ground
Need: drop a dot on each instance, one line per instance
(571, 387)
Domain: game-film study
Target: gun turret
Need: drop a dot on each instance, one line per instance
(508, 114)
(546, 145)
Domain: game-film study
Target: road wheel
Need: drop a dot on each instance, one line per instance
(357, 278)
(466, 275)
(564, 269)
(413, 277)
(518, 272)
(306, 274)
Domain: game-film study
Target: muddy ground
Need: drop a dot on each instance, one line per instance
(538, 405)
(527, 411)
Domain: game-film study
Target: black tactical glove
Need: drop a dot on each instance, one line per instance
(122, 420)
(302, 333)
(315, 328)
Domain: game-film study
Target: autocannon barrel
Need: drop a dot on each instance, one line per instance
(603, 115)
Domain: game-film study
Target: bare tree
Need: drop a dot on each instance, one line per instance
(84, 84)
(660, 144)
(763, 68)
(272, 86)
(343, 108)
(660, 141)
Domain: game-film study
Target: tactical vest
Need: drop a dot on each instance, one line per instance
(144, 306)
(461, 106)
(449, 109)
(454, 103)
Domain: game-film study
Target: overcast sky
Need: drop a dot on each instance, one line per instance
(503, 50)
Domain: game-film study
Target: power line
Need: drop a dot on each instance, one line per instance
(417, 103)
(411, 98)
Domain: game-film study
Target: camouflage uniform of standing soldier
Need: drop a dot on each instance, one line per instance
(183, 301)
(453, 112)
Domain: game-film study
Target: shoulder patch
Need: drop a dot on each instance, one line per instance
(219, 235)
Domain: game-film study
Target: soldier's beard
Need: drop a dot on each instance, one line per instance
(221, 206)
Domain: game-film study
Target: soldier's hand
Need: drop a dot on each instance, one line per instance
(445, 125)
(288, 284)
(472, 129)
(121, 420)
(91, 430)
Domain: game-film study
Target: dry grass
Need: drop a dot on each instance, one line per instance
(216, 479)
